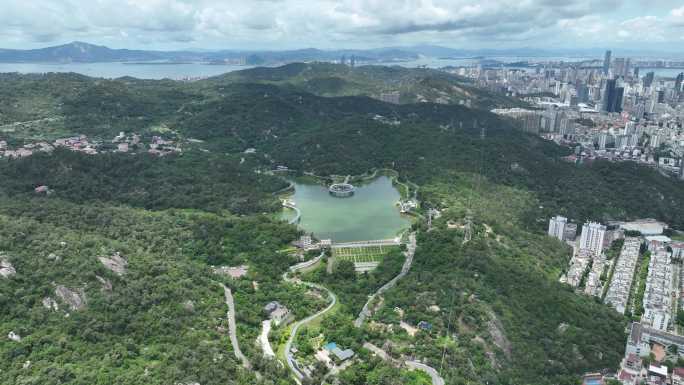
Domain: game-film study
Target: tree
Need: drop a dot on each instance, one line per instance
(345, 270)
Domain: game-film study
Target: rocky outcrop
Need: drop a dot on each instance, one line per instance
(496, 331)
(106, 284)
(14, 336)
(6, 268)
(115, 263)
(50, 304)
(189, 306)
(76, 299)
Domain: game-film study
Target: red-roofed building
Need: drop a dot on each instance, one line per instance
(627, 378)
(633, 363)
(678, 376)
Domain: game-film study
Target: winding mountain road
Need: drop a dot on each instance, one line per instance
(291, 361)
(432, 372)
(232, 328)
(410, 251)
(414, 365)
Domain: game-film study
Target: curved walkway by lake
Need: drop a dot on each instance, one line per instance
(298, 217)
(289, 187)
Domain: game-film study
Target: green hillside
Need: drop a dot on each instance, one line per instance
(502, 316)
(413, 84)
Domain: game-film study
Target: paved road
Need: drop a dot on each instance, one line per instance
(291, 361)
(263, 339)
(232, 328)
(410, 251)
(304, 265)
(379, 352)
(415, 365)
(15, 124)
(432, 372)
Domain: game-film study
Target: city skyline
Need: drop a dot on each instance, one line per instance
(290, 24)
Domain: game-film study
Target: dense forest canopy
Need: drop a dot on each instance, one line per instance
(502, 316)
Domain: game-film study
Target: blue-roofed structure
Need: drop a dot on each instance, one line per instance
(330, 346)
(340, 354)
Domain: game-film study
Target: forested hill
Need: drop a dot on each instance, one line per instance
(412, 84)
(502, 315)
(328, 135)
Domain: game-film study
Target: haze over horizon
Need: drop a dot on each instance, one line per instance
(353, 24)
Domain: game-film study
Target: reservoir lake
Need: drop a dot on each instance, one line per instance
(371, 213)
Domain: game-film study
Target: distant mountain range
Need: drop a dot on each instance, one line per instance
(80, 52)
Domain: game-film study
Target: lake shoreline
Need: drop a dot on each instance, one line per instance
(371, 213)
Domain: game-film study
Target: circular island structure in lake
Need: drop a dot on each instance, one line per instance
(341, 190)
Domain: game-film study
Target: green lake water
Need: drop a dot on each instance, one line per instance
(371, 213)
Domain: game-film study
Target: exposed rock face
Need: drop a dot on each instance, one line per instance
(189, 306)
(14, 336)
(6, 268)
(115, 263)
(106, 284)
(54, 257)
(76, 299)
(498, 335)
(50, 304)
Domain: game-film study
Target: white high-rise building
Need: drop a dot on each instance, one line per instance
(630, 128)
(655, 141)
(659, 290)
(557, 226)
(592, 237)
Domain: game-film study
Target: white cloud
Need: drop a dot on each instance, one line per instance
(327, 23)
(676, 17)
(644, 28)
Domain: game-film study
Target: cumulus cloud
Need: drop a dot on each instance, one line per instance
(677, 17)
(325, 23)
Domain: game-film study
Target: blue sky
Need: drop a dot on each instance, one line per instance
(286, 24)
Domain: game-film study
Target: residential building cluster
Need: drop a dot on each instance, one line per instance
(588, 263)
(581, 260)
(560, 228)
(610, 108)
(659, 290)
(593, 284)
(623, 274)
(651, 290)
(121, 143)
(644, 341)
